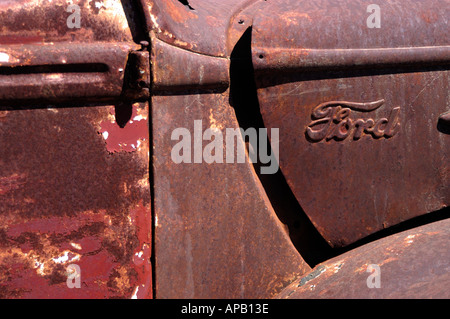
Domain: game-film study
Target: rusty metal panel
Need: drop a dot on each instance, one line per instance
(410, 264)
(195, 25)
(58, 51)
(74, 173)
(42, 21)
(198, 70)
(364, 125)
(358, 109)
(343, 24)
(216, 234)
(74, 190)
(50, 72)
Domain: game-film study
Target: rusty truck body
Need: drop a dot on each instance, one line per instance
(224, 149)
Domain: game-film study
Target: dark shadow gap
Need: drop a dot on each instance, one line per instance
(415, 222)
(186, 4)
(243, 98)
(123, 112)
(136, 20)
(443, 125)
(135, 15)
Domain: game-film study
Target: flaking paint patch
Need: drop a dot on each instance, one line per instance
(76, 246)
(43, 261)
(66, 257)
(37, 245)
(128, 138)
(177, 42)
(294, 17)
(337, 266)
(141, 217)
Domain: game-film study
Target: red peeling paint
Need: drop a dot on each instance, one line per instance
(55, 225)
(127, 138)
(141, 217)
(66, 200)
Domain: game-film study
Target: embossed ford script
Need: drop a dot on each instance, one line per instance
(331, 120)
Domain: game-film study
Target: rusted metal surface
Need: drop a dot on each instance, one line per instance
(74, 174)
(67, 198)
(358, 109)
(216, 234)
(196, 25)
(412, 264)
(298, 60)
(176, 69)
(137, 77)
(42, 21)
(342, 24)
(56, 72)
(94, 60)
(354, 107)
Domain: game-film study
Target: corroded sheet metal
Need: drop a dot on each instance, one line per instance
(42, 21)
(216, 234)
(55, 72)
(411, 264)
(196, 25)
(198, 71)
(343, 24)
(70, 194)
(359, 109)
(74, 176)
(52, 51)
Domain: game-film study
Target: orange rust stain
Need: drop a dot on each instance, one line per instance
(181, 15)
(429, 17)
(361, 269)
(388, 260)
(122, 281)
(295, 17)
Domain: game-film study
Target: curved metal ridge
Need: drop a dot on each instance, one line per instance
(63, 70)
(177, 68)
(401, 263)
(287, 58)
